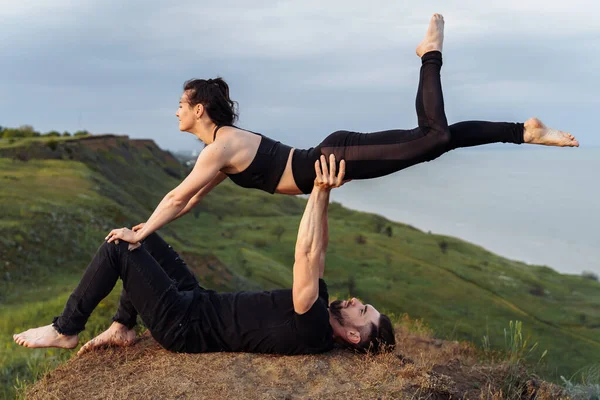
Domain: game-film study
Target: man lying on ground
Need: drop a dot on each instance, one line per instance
(184, 317)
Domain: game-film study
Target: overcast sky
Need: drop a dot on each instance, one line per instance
(299, 69)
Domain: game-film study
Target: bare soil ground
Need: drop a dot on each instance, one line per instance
(421, 367)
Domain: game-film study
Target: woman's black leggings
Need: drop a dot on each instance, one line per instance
(371, 155)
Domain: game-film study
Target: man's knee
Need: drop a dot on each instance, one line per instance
(114, 250)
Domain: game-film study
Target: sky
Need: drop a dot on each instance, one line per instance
(298, 69)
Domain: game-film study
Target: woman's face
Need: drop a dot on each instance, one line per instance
(186, 114)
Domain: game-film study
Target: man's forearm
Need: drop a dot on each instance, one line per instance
(313, 226)
(324, 238)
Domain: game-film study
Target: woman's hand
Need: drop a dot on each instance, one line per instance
(124, 234)
(138, 227)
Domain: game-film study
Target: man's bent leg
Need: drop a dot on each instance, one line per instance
(162, 307)
(126, 313)
(97, 282)
(171, 263)
(151, 291)
(148, 287)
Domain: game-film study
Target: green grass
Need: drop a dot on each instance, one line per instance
(20, 142)
(56, 213)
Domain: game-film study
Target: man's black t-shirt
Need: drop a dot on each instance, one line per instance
(258, 322)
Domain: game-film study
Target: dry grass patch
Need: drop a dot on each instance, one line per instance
(421, 367)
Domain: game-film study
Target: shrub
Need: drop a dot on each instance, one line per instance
(260, 243)
(52, 134)
(590, 275)
(360, 239)
(66, 133)
(81, 133)
(278, 231)
(584, 384)
(388, 231)
(537, 290)
(443, 246)
(52, 144)
(22, 156)
(23, 131)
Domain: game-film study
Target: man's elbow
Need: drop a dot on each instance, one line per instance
(304, 299)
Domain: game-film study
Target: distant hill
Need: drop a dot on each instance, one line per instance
(60, 196)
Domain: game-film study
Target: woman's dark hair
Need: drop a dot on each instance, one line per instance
(213, 94)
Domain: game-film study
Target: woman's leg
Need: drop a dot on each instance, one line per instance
(161, 306)
(380, 153)
(371, 155)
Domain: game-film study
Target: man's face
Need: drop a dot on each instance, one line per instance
(353, 313)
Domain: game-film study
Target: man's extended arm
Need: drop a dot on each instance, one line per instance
(311, 245)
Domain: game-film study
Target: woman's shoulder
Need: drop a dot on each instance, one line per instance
(244, 135)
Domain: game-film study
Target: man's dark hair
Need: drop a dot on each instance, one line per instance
(380, 338)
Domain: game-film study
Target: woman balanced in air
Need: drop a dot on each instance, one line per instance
(255, 161)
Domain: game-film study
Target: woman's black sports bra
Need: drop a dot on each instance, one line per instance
(267, 167)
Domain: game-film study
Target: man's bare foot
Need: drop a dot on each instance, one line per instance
(538, 133)
(116, 335)
(434, 37)
(45, 336)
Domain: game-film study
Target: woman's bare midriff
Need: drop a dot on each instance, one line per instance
(287, 184)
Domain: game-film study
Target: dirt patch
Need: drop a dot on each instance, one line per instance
(420, 368)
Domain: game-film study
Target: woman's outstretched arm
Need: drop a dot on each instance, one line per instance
(209, 164)
(220, 177)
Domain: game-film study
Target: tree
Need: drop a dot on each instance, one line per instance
(388, 231)
(52, 134)
(26, 128)
(443, 246)
(81, 133)
(66, 133)
(590, 275)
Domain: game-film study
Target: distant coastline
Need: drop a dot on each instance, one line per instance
(533, 204)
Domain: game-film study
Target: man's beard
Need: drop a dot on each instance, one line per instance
(335, 309)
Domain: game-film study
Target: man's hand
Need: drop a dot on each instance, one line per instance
(326, 175)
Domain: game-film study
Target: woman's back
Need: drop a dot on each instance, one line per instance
(257, 161)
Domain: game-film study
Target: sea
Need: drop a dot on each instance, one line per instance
(536, 204)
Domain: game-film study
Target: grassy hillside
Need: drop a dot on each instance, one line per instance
(59, 198)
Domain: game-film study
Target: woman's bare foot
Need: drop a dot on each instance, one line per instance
(117, 335)
(434, 37)
(45, 336)
(538, 133)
